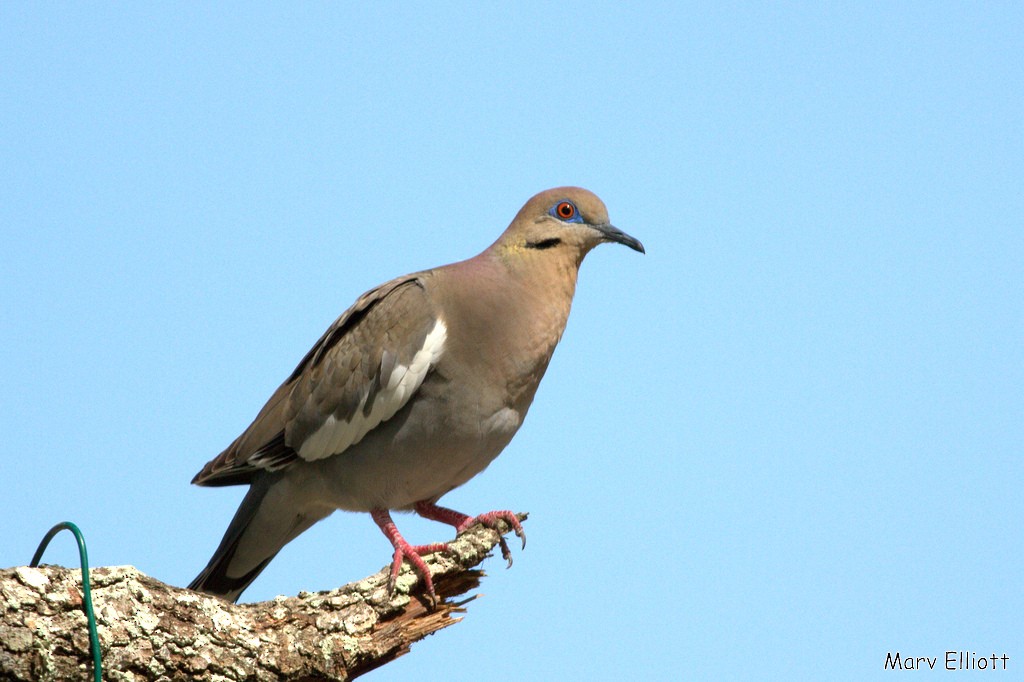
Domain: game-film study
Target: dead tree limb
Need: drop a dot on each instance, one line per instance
(152, 631)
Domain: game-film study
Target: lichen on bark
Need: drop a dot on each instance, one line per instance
(152, 631)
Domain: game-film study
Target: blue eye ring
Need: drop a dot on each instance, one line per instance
(566, 210)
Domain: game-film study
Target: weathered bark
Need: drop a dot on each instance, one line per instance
(152, 631)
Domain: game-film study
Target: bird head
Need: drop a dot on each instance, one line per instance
(565, 220)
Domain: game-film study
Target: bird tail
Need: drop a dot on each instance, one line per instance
(265, 522)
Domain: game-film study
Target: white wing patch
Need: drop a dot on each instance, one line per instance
(335, 435)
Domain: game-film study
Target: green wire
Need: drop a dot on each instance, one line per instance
(94, 639)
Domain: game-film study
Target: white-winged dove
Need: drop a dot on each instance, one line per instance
(410, 393)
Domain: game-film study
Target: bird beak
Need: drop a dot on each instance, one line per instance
(614, 234)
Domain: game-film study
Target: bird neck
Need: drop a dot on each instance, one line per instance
(513, 315)
(544, 281)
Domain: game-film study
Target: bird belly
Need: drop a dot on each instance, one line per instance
(401, 462)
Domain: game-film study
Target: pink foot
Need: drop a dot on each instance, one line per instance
(429, 510)
(403, 550)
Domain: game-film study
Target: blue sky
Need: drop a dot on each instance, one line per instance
(785, 442)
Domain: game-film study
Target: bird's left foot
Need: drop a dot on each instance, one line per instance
(405, 551)
(461, 522)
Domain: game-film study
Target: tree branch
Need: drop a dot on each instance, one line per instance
(152, 631)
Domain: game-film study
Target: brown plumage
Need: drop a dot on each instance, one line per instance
(409, 394)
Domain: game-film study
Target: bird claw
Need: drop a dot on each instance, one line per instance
(406, 552)
(412, 554)
(461, 522)
(490, 519)
(506, 553)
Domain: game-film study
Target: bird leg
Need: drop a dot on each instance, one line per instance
(429, 510)
(403, 550)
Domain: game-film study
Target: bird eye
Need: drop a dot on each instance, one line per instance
(565, 210)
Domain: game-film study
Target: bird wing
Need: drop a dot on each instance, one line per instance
(366, 366)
